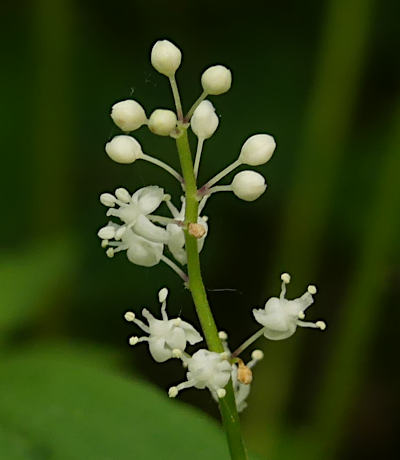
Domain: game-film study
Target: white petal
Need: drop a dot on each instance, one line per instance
(143, 252)
(192, 336)
(147, 229)
(148, 198)
(176, 339)
(176, 242)
(159, 350)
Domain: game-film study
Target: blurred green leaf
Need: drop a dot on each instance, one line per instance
(58, 404)
(28, 278)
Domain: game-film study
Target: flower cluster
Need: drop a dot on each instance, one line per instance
(168, 338)
(142, 234)
(149, 237)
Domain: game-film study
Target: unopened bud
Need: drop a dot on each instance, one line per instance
(204, 121)
(162, 122)
(124, 149)
(244, 374)
(257, 150)
(166, 57)
(196, 230)
(216, 80)
(128, 115)
(248, 185)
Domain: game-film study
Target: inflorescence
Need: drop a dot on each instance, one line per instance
(146, 236)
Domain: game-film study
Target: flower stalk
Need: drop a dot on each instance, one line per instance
(227, 405)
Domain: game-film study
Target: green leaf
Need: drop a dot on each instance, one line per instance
(58, 404)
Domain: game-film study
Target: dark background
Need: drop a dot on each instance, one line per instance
(322, 77)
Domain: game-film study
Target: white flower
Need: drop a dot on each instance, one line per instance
(248, 185)
(280, 317)
(124, 149)
(216, 80)
(204, 121)
(128, 115)
(167, 338)
(257, 149)
(206, 369)
(143, 240)
(166, 57)
(162, 122)
(176, 234)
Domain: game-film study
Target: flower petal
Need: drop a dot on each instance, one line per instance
(141, 251)
(143, 227)
(192, 336)
(159, 350)
(148, 198)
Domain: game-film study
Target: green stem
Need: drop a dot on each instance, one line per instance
(227, 406)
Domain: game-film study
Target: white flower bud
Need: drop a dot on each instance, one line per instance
(216, 80)
(162, 122)
(204, 121)
(166, 57)
(124, 149)
(257, 150)
(128, 115)
(248, 185)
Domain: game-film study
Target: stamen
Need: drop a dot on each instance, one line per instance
(221, 393)
(312, 289)
(173, 210)
(123, 195)
(173, 392)
(129, 316)
(285, 277)
(223, 335)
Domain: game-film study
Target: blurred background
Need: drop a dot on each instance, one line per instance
(322, 78)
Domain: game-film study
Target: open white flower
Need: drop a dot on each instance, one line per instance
(167, 337)
(280, 317)
(206, 369)
(133, 210)
(143, 240)
(176, 235)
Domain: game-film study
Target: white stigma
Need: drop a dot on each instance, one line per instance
(285, 277)
(321, 325)
(176, 353)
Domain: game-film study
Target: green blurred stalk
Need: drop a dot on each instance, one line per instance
(53, 129)
(327, 125)
(227, 405)
(362, 313)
